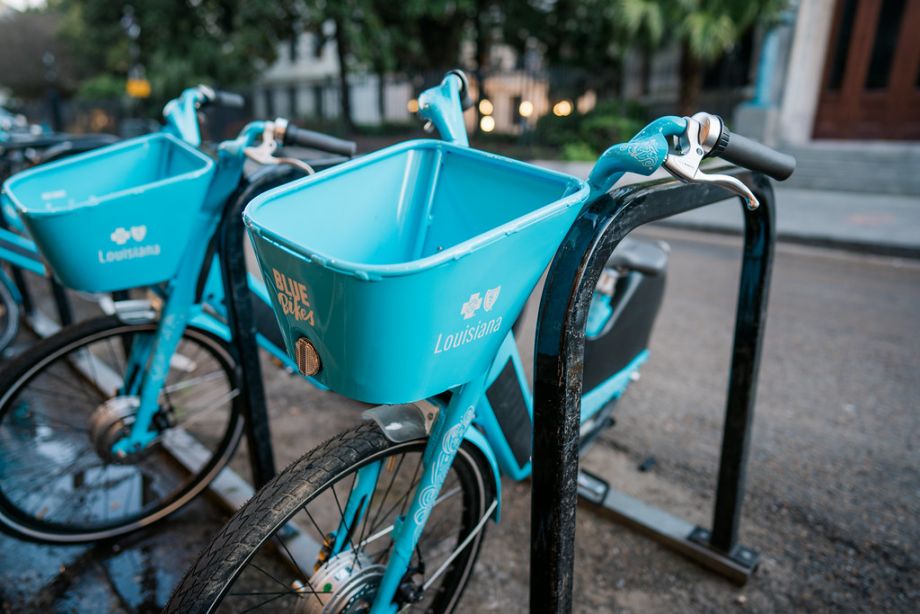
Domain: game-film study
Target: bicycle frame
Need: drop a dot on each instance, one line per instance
(20, 252)
(194, 295)
(148, 363)
(469, 403)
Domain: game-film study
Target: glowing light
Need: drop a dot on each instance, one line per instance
(562, 108)
(525, 108)
(487, 123)
(485, 107)
(412, 106)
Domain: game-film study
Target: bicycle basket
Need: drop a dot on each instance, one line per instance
(405, 269)
(117, 217)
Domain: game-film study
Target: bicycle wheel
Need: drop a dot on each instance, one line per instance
(249, 565)
(60, 414)
(9, 315)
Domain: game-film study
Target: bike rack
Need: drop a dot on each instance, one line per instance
(559, 355)
(240, 319)
(241, 322)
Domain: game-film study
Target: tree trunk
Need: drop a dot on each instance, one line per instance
(342, 47)
(691, 81)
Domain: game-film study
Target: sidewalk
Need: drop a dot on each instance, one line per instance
(871, 223)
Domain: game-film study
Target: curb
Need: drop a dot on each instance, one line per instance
(860, 247)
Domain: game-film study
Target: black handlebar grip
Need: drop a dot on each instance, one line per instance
(228, 99)
(316, 140)
(466, 101)
(752, 155)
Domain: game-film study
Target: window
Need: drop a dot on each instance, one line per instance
(292, 102)
(842, 44)
(269, 102)
(318, 101)
(886, 41)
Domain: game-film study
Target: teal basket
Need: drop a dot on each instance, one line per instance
(117, 217)
(406, 268)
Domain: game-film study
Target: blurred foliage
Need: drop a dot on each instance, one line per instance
(586, 40)
(580, 44)
(104, 86)
(704, 29)
(583, 41)
(220, 42)
(584, 136)
(33, 56)
(578, 151)
(420, 38)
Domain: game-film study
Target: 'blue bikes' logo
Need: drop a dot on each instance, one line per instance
(293, 298)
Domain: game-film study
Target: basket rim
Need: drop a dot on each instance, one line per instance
(207, 168)
(578, 196)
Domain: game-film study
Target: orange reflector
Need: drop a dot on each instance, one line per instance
(307, 358)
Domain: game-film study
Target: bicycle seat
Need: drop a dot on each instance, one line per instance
(647, 257)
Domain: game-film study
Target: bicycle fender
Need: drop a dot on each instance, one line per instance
(211, 324)
(400, 423)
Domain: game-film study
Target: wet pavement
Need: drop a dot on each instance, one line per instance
(834, 486)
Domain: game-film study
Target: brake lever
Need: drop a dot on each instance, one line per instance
(264, 152)
(685, 164)
(208, 93)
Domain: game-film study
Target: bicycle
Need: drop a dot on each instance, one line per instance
(97, 408)
(23, 149)
(421, 308)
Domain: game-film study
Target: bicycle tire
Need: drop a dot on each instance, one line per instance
(16, 376)
(9, 316)
(207, 581)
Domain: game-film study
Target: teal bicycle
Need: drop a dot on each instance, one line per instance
(93, 417)
(21, 150)
(405, 295)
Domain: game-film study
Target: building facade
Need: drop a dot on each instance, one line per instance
(837, 82)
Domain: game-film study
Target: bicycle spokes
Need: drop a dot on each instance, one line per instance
(58, 430)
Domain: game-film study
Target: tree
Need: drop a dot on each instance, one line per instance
(30, 45)
(583, 42)
(705, 30)
(420, 37)
(644, 25)
(222, 42)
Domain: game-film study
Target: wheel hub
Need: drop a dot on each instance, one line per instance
(110, 423)
(347, 585)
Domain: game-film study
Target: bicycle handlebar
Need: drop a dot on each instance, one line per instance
(316, 140)
(466, 101)
(753, 155)
(228, 99)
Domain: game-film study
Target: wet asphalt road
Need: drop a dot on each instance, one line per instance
(834, 478)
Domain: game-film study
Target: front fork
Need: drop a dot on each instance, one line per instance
(153, 359)
(446, 437)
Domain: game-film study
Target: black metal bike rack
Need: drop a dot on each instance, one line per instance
(240, 320)
(559, 355)
(240, 317)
